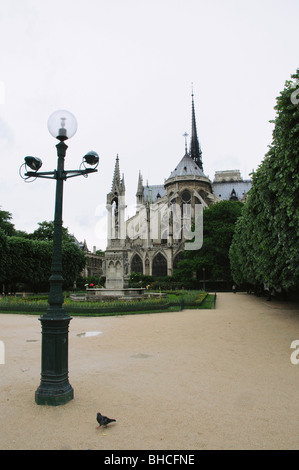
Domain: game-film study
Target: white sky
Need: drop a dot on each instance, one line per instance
(124, 68)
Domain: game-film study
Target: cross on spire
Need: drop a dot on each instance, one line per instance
(186, 135)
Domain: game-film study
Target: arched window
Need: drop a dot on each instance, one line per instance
(159, 266)
(177, 259)
(136, 265)
(147, 267)
(111, 269)
(115, 218)
(233, 196)
(118, 270)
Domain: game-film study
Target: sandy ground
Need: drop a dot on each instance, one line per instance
(210, 379)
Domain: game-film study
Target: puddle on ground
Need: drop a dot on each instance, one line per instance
(141, 356)
(89, 333)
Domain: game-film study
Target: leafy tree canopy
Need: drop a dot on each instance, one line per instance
(26, 258)
(218, 229)
(45, 232)
(5, 224)
(265, 247)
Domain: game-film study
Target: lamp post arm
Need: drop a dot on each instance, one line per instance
(63, 175)
(79, 172)
(41, 174)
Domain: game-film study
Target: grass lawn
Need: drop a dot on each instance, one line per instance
(175, 301)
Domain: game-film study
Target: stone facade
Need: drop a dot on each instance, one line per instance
(94, 262)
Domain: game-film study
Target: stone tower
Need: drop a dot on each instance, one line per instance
(116, 257)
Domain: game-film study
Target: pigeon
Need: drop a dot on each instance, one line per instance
(103, 420)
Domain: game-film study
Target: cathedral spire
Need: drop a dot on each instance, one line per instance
(116, 176)
(140, 185)
(139, 194)
(195, 149)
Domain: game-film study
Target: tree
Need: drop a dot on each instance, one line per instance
(26, 258)
(28, 262)
(218, 229)
(265, 246)
(3, 257)
(5, 224)
(45, 232)
(73, 262)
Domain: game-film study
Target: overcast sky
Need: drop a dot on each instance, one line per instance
(124, 68)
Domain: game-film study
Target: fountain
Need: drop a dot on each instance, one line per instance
(98, 293)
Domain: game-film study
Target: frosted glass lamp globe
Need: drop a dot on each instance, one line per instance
(62, 124)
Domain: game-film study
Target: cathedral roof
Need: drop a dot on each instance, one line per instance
(186, 167)
(224, 189)
(154, 192)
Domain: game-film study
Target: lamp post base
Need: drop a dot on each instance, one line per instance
(53, 397)
(54, 388)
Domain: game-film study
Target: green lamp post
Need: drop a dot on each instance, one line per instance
(54, 388)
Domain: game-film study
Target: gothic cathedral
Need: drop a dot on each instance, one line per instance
(153, 241)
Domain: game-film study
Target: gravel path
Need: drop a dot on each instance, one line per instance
(205, 379)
